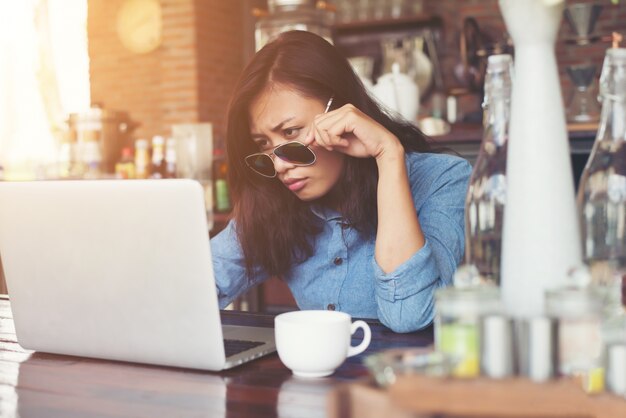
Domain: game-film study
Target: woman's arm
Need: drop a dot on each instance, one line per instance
(399, 234)
(229, 267)
(419, 242)
(405, 296)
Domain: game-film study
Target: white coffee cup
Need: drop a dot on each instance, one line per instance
(314, 343)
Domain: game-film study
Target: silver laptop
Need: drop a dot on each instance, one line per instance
(117, 269)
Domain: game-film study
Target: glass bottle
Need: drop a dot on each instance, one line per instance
(222, 193)
(125, 168)
(66, 158)
(170, 158)
(92, 154)
(486, 194)
(157, 167)
(602, 190)
(142, 158)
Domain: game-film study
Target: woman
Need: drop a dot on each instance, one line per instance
(353, 213)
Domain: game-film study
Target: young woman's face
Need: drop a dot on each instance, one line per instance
(280, 114)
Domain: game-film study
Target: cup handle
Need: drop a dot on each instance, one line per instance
(367, 337)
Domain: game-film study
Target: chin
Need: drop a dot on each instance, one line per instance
(308, 196)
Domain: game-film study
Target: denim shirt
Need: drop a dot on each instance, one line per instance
(343, 274)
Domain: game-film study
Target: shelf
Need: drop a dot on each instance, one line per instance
(360, 34)
(406, 23)
(472, 133)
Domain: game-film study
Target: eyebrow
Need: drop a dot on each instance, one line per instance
(274, 129)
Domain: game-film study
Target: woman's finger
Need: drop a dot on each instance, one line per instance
(321, 138)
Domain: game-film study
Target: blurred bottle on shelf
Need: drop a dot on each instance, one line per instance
(91, 155)
(157, 167)
(66, 158)
(170, 158)
(194, 158)
(112, 129)
(125, 168)
(602, 189)
(142, 158)
(222, 191)
(486, 194)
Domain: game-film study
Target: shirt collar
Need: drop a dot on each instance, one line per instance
(325, 213)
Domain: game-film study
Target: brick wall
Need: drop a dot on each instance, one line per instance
(187, 79)
(220, 56)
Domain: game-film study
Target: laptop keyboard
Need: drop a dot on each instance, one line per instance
(233, 347)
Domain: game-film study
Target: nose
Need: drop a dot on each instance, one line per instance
(280, 165)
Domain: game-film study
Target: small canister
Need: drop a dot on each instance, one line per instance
(496, 346)
(579, 315)
(616, 368)
(536, 347)
(457, 324)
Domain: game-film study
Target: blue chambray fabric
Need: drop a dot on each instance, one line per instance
(403, 299)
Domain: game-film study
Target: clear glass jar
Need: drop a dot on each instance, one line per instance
(486, 194)
(285, 15)
(458, 312)
(580, 343)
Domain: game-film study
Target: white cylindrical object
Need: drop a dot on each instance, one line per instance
(496, 347)
(451, 103)
(616, 368)
(541, 234)
(536, 348)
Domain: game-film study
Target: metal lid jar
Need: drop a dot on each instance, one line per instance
(284, 15)
(458, 312)
(578, 312)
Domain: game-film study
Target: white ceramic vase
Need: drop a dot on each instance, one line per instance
(541, 234)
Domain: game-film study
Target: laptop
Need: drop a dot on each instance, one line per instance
(120, 270)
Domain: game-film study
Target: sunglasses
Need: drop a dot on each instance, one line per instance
(293, 152)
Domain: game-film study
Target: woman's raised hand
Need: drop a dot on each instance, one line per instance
(352, 132)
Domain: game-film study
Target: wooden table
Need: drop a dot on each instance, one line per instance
(34, 384)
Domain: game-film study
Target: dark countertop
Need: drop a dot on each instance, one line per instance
(464, 133)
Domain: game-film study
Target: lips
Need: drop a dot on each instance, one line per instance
(295, 184)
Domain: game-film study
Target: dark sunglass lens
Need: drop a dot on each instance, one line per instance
(295, 153)
(262, 164)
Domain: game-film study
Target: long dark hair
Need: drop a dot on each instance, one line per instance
(276, 229)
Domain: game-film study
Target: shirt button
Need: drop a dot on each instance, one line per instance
(338, 261)
(331, 307)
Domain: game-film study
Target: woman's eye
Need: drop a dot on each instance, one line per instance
(291, 133)
(262, 144)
